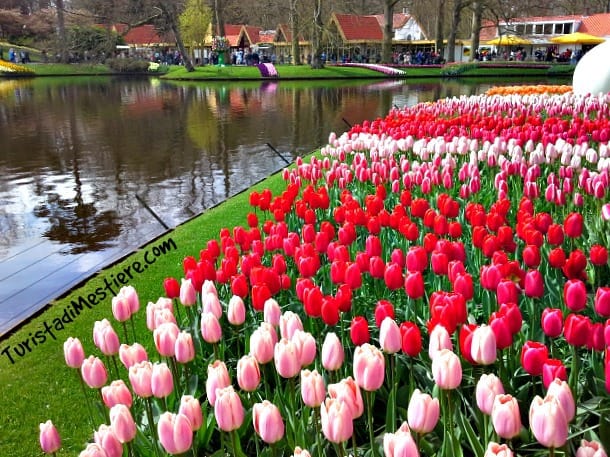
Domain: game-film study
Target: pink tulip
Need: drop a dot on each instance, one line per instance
(498, 450)
(423, 412)
(248, 373)
(336, 419)
(188, 294)
(130, 294)
(175, 433)
(488, 387)
(50, 442)
(140, 375)
(400, 444)
(439, 340)
(332, 352)
(218, 378)
(122, 423)
(165, 336)
(211, 304)
(93, 450)
(590, 449)
(561, 391)
(228, 409)
(161, 380)
(289, 323)
(312, 388)
(306, 347)
(548, 421)
(390, 338)
(184, 348)
(298, 452)
(159, 312)
(74, 353)
(446, 370)
(349, 393)
(262, 343)
(267, 422)
(505, 416)
(606, 212)
(271, 312)
(117, 393)
(191, 408)
(211, 331)
(130, 355)
(369, 367)
(121, 310)
(236, 311)
(483, 346)
(287, 358)
(94, 372)
(108, 441)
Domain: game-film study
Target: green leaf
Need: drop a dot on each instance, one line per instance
(473, 439)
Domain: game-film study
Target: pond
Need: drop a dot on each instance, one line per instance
(87, 163)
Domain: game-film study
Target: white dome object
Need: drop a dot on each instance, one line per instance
(592, 73)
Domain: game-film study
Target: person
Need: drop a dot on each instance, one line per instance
(11, 55)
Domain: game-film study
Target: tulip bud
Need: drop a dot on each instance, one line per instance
(483, 346)
(50, 442)
(336, 419)
(248, 373)
(267, 421)
(94, 372)
(369, 367)
(548, 421)
(175, 433)
(446, 370)
(122, 423)
(423, 412)
(505, 416)
(74, 353)
(332, 352)
(488, 387)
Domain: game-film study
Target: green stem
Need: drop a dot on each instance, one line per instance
(450, 421)
(151, 424)
(354, 446)
(104, 409)
(125, 331)
(84, 388)
(369, 407)
(341, 450)
(573, 379)
(393, 393)
(133, 328)
(316, 425)
(551, 452)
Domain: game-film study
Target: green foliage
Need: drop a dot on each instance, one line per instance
(561, 70)
(194, 22)
(457, 69)
(94, 41)
(125, 65)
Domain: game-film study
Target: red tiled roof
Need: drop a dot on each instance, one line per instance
(398, 20)
(358, 28)
(597, 24)
(232, 33)
(142, 35)
(252, 33)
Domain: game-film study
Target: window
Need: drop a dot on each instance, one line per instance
(548, 29)
(520, 29)
(537, 29)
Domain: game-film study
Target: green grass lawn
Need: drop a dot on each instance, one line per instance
(39, 386)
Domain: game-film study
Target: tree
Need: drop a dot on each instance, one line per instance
(477, 12)
(194, 22)
(439, 26)
(170, 13)
(388, 30)
(458, 6)
(316, 36)
(219, 20)
(294, 31)
(61, 31)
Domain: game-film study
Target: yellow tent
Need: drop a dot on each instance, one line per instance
(509, 40)
(578, 38)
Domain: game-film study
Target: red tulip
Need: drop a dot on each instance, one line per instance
(555, 234)
(507, 292)
(598, 255)
(383, 309)
(465, 341)
(500, 325)
(513, 316)
(414, 285)
(172, 287)
(573, 225)
(393, 276)
(557, 258)
(551, 370)
(533, 356)
(411, 338)
(439, 262)
(576, 329)
(416, 259)
(531, 256)
(575, 294)
(359, 331)
(353, 276)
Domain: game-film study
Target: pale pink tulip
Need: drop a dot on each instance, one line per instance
(505, 416)
(130, 355)
(548, 421)
(287, 358)
(446, 370)
(423, 412)
(272, 312)
(267, 422)
(336, 419)
(122, 423)
(184, 348)
(161, 380)
(483, 346)
(218, 377)
(236, 311)
(561, 391)
(390, 338)
(369, 367)
(590, 449)
(306, 347)
(289, 323)
(262, 343)
(50, 442)
(74, 353)
(175, 433)
(400, 444)
(248, 373)
(140, 375)
(439, 340)
(165, 336)
(191, 408)
(188, 294)
(211, 331)
(488, 387)
(228, 409)
(497, 450)
(108, 441)
(349, 393)
(93, 450)
(332, 352)
(313, 390)
(94, 372)
(117, 393)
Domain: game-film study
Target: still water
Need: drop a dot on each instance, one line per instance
(75, 153)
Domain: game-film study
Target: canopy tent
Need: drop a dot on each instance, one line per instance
(509, 40)
(578, 38)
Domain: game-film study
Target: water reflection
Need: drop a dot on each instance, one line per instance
(75, 152)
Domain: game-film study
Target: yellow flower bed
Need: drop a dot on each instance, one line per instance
(10, 67)
(529, 90)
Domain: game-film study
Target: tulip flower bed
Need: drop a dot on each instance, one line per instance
(435, 283)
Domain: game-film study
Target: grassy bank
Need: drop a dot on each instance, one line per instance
(36, 385)
(290, 72)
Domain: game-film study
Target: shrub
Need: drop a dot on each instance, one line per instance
(128, 65)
